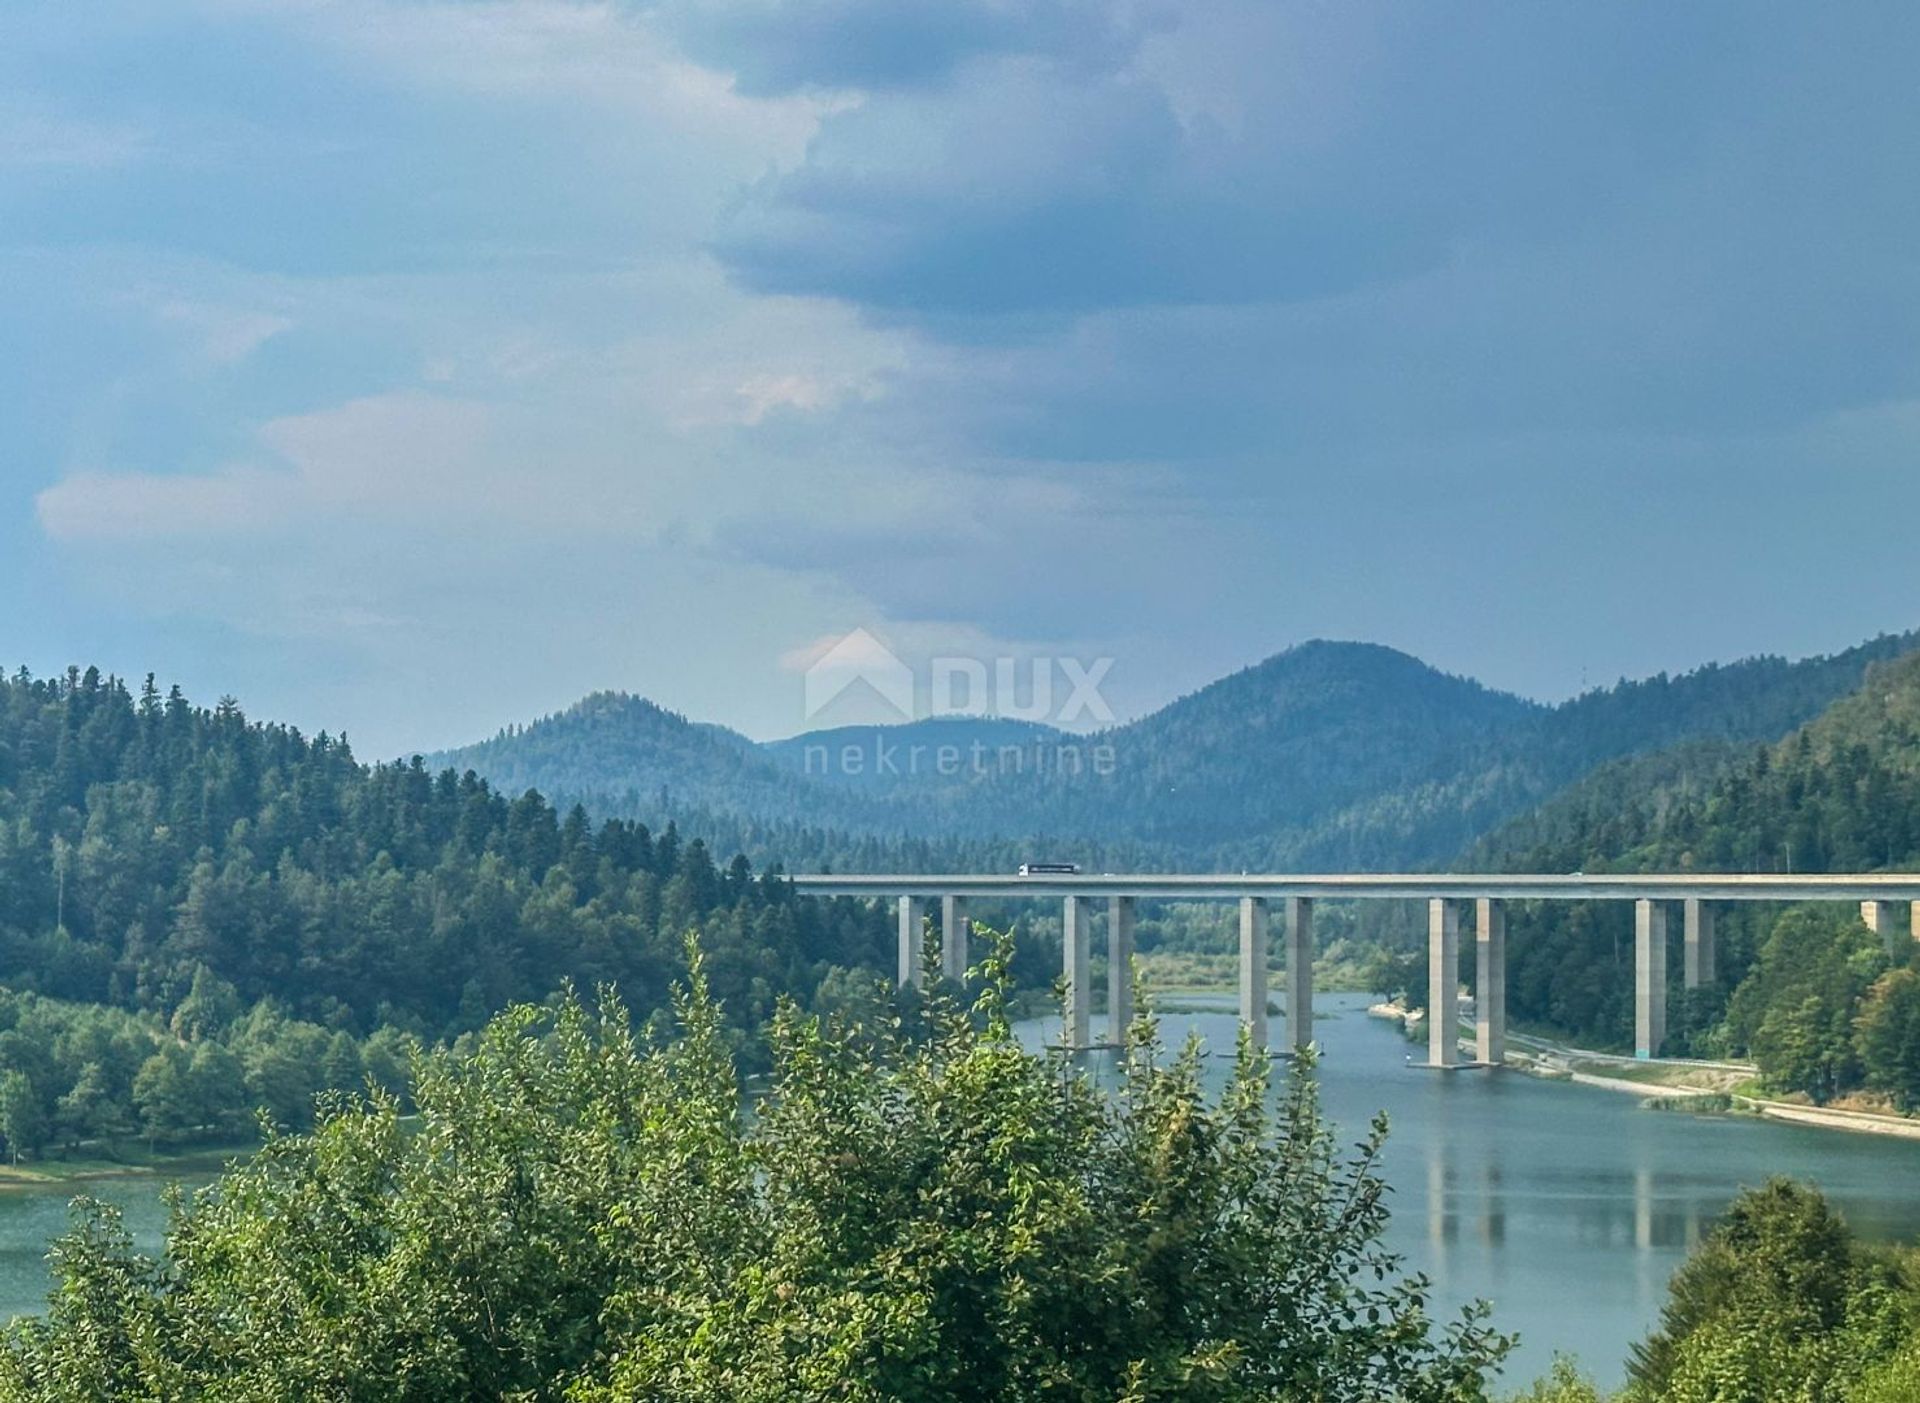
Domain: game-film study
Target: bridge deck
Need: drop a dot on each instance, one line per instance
(1404, 886)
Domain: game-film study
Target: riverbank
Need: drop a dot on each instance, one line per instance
(1832, 1118)
(1697, 1086)
(1738, 1100)
(192, 1162)
(1701, 1088)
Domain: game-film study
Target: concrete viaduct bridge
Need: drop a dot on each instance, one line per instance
(1452, 901)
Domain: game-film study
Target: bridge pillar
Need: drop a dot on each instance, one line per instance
(1878, 916)
(1299, 971)
(1698, 952)
(1253, 967)
(955, 928)
(1119, 968)
(1443, 982)
(1490, 981)
(913, 915)
(1649, 977)
(1075, 918)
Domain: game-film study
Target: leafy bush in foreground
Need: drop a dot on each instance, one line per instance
(1781, 1302)
(582, 1215)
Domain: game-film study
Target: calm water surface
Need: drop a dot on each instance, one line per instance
(30, 1219)
(1566, 1206)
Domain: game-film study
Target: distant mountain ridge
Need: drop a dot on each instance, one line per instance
(1330, 754)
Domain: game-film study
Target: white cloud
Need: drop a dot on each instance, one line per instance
(761, 395)
(36, 137)
(368, 457)
(149, 506)
(222, 335)
(391, 452)
(580, 50)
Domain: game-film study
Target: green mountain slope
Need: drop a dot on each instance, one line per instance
(201, 915)
(1841, 794)
(143, 840)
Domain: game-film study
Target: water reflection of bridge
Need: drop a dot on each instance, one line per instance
(1451, 900)
(1472, 1203)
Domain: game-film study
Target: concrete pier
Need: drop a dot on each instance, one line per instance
(913, 916)
(1881, 918)
(1698, 954)
(955, 930)
(1119, 968)
(1649, 977)
(1074, 933)
(1443, 982)
(1299, 970)
(1253, 967)
(1490, 981)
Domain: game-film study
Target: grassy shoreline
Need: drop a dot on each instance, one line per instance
(128, 1162)
(1210, 972)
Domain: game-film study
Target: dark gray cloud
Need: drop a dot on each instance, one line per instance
(1028, 196)
(1268, 235)
(1263, 153)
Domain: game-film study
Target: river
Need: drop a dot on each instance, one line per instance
(1566, 1206)
(31, 1218)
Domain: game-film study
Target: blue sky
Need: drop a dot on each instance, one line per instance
(415, 366)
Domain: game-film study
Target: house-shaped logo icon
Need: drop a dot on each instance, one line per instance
(858, 658)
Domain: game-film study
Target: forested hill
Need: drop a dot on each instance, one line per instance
(1840, 794)
(145, 840)
(1270, 762)
(611, 741)
(1328, 755)
(1825, 1007)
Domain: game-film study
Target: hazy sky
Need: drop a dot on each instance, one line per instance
(416, 367)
